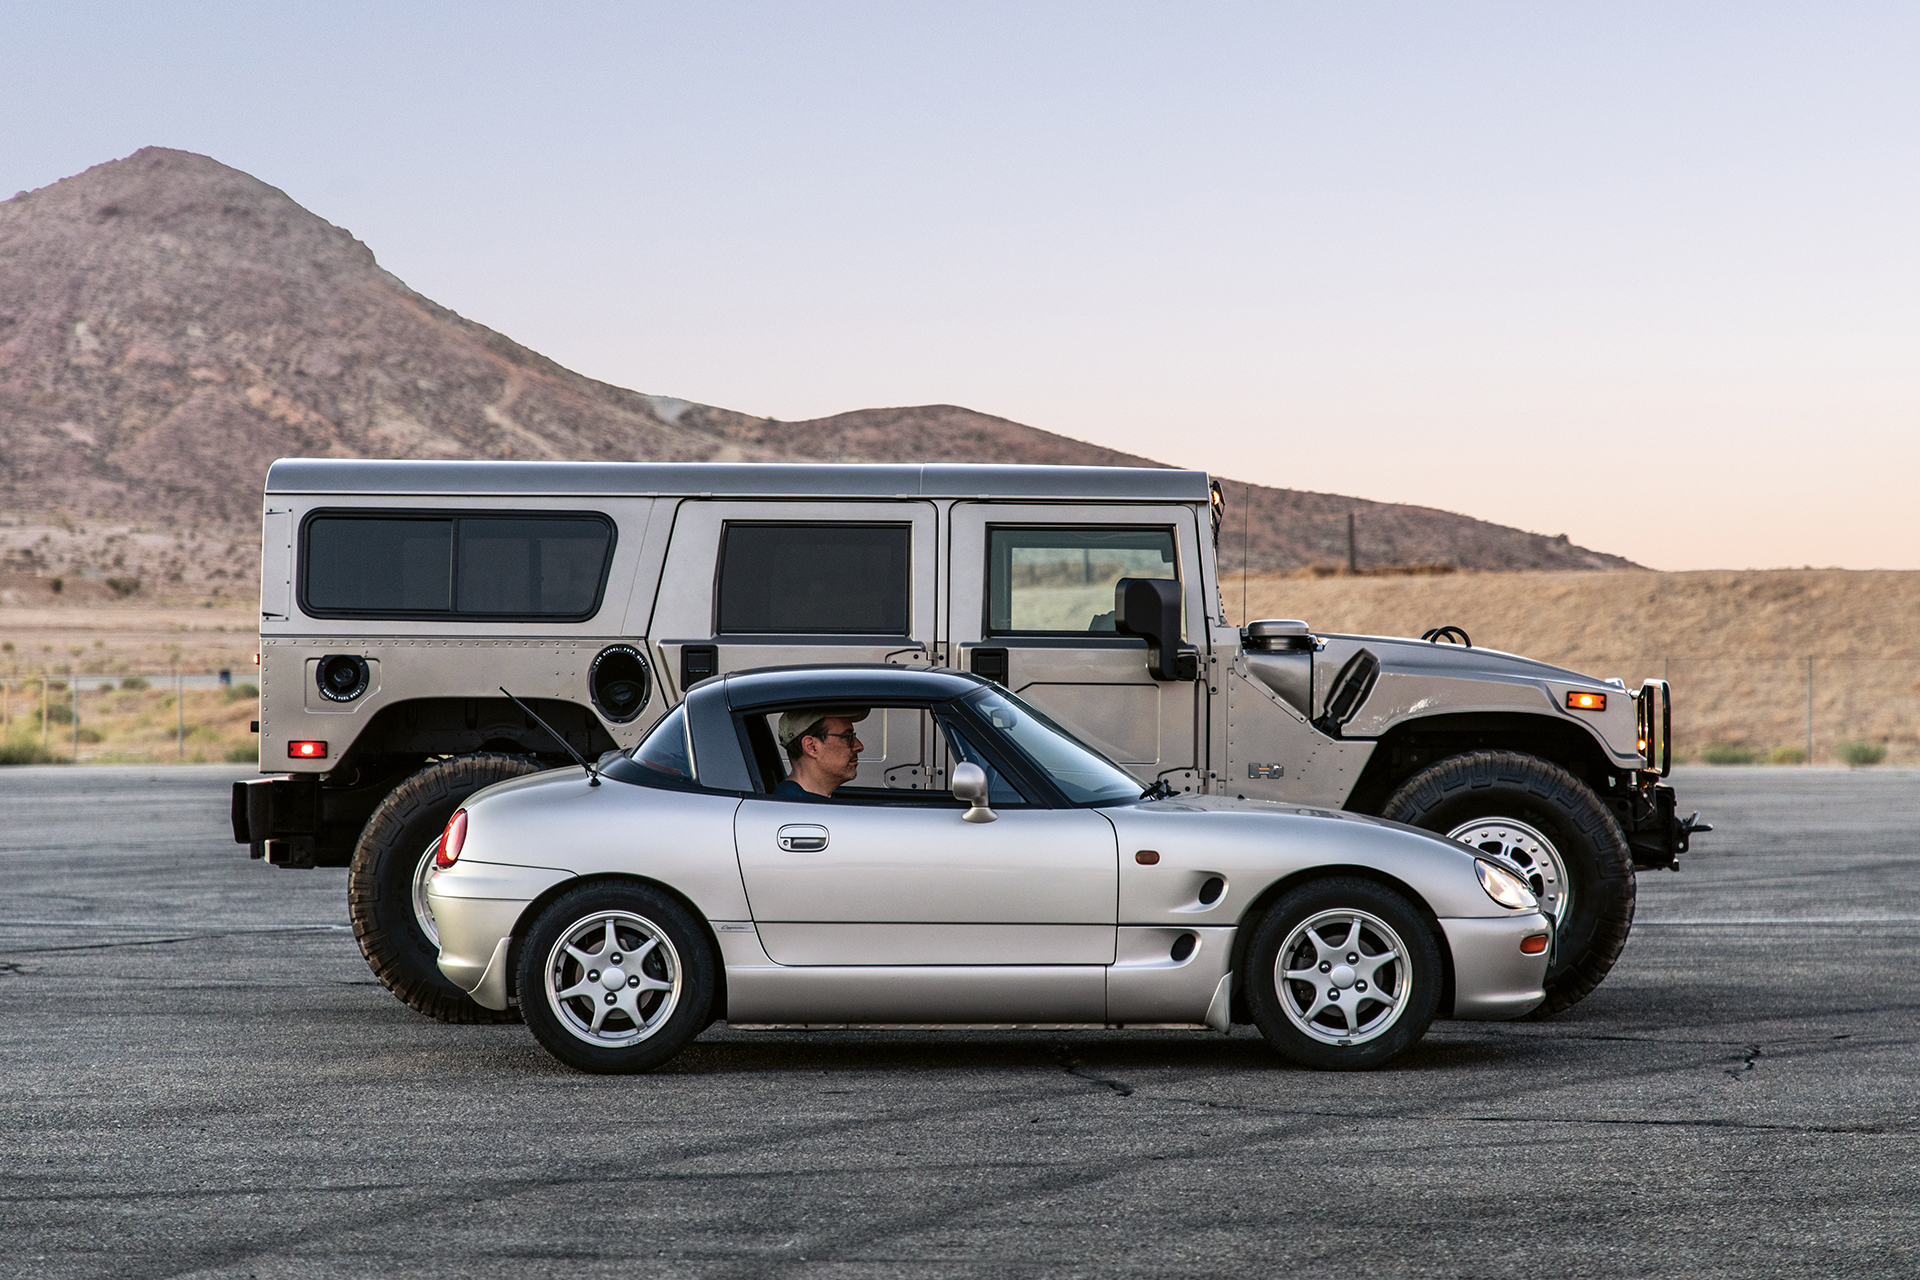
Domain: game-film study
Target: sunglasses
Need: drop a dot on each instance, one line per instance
(849, 735)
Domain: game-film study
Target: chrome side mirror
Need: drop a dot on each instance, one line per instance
(970, 784)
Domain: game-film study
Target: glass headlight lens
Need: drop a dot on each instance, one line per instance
(1504, 887)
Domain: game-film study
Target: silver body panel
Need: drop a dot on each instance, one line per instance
(910, 915)
(1243, 729)
(1422, 679)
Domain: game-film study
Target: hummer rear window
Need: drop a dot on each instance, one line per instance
(420, 566)
(814, 579)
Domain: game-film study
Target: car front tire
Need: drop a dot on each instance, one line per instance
(616, 978)
(1552, 824)
(1342, 974)
(386, 887)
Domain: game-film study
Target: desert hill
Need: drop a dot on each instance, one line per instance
(170, 325)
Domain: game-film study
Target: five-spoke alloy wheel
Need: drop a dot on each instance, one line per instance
(615, 977)
(1343, 974)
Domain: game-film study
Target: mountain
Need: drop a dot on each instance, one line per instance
(169, 326)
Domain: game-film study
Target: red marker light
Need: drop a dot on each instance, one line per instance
(1577, 701)
(451, 840)
(1533, 945)
(306, 751)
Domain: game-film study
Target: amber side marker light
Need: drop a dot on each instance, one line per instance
(1534, 944)
(1586, 701)
(306, 751)
(1147, 857)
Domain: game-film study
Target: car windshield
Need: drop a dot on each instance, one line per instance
(1086, 776)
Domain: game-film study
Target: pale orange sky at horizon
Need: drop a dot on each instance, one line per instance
(1641, 276)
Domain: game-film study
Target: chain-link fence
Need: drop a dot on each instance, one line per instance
(196, 717)
(1784, 710)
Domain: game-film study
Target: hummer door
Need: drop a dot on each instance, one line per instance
(774, 584)
(1032, 606)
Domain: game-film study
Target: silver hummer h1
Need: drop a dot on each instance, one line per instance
(402, 602)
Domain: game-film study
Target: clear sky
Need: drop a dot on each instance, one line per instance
(1645, 274)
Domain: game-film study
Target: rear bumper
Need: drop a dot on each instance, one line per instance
(1493, 979)
(475, 908)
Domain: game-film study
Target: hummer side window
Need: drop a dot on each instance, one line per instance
(362, 564)
(814, 579)
(1059, 580)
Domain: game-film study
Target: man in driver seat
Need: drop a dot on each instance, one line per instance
(823, 750)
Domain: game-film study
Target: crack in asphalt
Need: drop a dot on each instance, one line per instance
(1071, 1065)
(1882, 1130)
(1746, 1064)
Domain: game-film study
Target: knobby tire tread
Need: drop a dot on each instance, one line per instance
(1451, 784)
(380, 885)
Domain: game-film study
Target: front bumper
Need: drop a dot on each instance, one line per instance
(1493, 980)
(1656, 834)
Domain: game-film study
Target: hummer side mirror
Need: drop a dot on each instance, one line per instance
(970, 784)
(1150, 608)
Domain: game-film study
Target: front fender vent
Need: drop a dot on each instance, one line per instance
(1348, 692)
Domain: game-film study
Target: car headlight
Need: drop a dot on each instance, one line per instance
(1504, 887)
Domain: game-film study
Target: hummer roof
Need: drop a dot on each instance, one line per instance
(733, 479)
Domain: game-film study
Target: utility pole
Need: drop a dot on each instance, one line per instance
(1353, 559)
(180, 706)
(74, 684)
(1809, 709)
(46, 705)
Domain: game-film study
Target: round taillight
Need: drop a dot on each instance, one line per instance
(451, 839)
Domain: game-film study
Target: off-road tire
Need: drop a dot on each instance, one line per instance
(380, 886)
(1527, 789)
(681, 952)
(1419, 984)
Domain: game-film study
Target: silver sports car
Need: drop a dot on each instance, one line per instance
(978, 865)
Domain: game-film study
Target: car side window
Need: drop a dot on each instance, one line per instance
(668, 749)
(1059, 579)
(1000, 792)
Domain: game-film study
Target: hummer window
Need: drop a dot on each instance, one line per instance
(506, 566)
(1060, 580)
(814, 579)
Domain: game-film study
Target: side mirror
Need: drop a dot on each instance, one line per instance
(1150, 608)
(970, 784)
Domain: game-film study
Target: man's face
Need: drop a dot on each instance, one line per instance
(837, 752)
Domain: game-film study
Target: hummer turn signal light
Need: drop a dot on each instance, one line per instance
(306, 751)
(1578, 701)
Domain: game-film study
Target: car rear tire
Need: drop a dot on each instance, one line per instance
(1342, 974)
(1551, 823)
(385, 889)
(616, 978)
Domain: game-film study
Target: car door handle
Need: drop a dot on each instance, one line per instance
(802, 838)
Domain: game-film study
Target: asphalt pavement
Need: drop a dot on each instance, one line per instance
(202, 1079)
